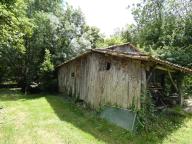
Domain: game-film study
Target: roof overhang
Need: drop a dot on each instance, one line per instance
(74, 58)
(136, 56)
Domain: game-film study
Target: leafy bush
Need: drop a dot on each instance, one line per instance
(157, 124)
(188, 86)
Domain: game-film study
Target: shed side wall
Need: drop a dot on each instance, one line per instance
(120, 85)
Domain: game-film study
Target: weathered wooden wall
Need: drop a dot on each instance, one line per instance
(89, 79)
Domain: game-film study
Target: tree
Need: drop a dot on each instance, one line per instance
(165, 26)
(36, 33)
(93, 35)
(14, 25)
(7, 3)
(113, 40)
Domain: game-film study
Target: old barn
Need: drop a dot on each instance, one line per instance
(120, 76)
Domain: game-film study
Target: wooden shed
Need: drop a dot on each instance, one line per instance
(116, 76)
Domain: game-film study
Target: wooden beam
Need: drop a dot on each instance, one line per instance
(164, 69)
(175, 85)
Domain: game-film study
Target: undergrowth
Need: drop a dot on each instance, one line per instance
(157, 124)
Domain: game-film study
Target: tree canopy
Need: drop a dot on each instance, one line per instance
(165, 27)
(37, 35)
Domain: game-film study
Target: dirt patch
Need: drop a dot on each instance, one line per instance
(188, 105)
(1, 115)
(49, 136)
(20, 119)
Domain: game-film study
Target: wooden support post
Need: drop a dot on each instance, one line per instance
(180, 85)
(174, 84)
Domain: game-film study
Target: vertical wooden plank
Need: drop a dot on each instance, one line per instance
(121, 85)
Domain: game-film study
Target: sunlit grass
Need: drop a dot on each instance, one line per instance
(50, 119)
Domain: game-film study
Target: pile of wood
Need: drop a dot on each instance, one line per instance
(160, 99)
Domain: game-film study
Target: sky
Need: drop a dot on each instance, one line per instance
(107, 15)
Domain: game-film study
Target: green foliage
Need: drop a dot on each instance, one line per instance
(165, 26)
(39, 35)
(14, 25)
(47, 65)
(93, 35)
(120, 36)
(8, 2)
(113, 40)
(147, 113)
(158, 122)
(187, 86)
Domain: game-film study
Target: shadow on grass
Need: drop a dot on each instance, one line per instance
(13, 94)
(159, 128)
(89, 122)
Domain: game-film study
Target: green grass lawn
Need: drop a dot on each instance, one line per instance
(51, 119)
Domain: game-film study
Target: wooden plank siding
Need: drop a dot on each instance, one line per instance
(90, 79)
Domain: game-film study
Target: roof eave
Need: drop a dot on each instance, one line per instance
(171, 65)
(74, 58)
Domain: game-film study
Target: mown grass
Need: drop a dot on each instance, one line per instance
(48, 119)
